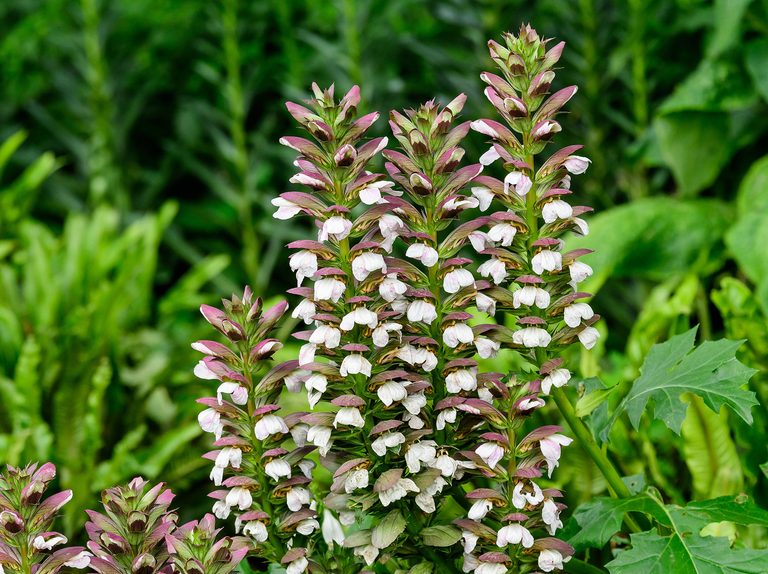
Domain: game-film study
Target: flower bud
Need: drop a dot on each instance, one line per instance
(137, 521)
(345, 155)
(11, 521)
(32, 493)
(144, 564)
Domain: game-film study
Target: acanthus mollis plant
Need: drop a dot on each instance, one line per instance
(130, 536)
(535, 285)
(265, 477)
(28, 545)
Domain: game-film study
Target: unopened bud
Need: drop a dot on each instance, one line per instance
(114, 543)
(32, 493)
(345, 155)
(11, 521)
(137, 521)
(420, 184)
(144, 564)
(193, 566)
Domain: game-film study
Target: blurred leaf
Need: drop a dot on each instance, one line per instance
(652, 238)
(756, 54)
(709, 451)
(388, 529)
(674, 367)
(441, 536)
(695, 146)
(728, 20)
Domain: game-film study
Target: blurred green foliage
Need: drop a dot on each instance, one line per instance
(140, 153)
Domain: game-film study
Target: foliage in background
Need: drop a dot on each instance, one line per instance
(133, 109)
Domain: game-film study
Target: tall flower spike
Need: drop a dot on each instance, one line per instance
(538, 288)
(129, 538)
(264, 478)
(27, 541)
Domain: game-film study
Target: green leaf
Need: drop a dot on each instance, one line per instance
(387, 531)
(709, 451)
(756, 55)
(652, 238)
(601, 518)
(753, 191)
(739, 510)
(689, 554)
(441, 536)
(423, 568)
(687, 137)
(674, 367)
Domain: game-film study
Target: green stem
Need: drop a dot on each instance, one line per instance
(616, 486)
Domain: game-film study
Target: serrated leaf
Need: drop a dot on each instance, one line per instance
(387, 531)
(692, 554)
(674, 367)
(740, 510)
(601, 518)
(441, 536)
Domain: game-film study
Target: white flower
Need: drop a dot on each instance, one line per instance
(421, 310)
(486, 348)
(547, 260)
(359, 316)
(391, 392)
(277, 468)
(423, 451)
(493, 268)
(387, 440)
(531, 337)
(424, 253)
(502, 232)
(579, 271)
(304, 311)
(221, 510)
(349, 416)
(79, 561)
(401, 489)
(371, 193)
(470, 563)
(366, 263)
(520, 498)
(239, 497)
(326, 335)
(306, 527)
(519, 182)
(307, 354)
(550, 560)
(203, 371)
(457, 334)
(470, 540)
(545, 128)
(557, 378)
(369, 553)
(530, 295)
(285, 208)
(336, 227)
(415, 422)
(446, 464)
(461, 380)
(445, 416)
(485, 304)
(304, 264)
(355, 364)
(380, 335)
(331, 529)
(390, 226)
(41, 543)
(530, 404)
(581, 225)
(414, 402)
(550, 514)
(458, 203)
(392, 288)
(479, 240)
(228, 456)
(588, 337)
(298, 566)
(484, 197)
(490, 452)
(306, 467)
(556, 209)
(297, 497)
(329, 289)
(457, 279)
(575, 313)
(356, 479)
(550, 448)
(210, 421)
(490, 156)
(269, 425)
(514, 534)
(425, 499)
(576, 164)
(239, 394)
(491, 568)
(479, 509)
(256, 530)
